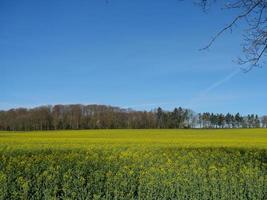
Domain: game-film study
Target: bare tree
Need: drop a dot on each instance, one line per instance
(254, 14)
(264, 121)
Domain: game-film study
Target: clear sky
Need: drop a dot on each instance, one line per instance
(128, 53)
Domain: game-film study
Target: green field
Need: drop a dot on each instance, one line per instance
(134, 164)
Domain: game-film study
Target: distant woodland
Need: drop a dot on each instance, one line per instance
(63, 117)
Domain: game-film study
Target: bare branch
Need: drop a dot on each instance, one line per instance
(229, 26)
(254, 13)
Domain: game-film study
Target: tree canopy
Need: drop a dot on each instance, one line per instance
(62, 117)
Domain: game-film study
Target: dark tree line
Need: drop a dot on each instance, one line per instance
(63, 117)
(211, 120)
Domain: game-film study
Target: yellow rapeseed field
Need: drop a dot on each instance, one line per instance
(239, 138)
(134, 164)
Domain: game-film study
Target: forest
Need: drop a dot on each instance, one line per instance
(77, 116)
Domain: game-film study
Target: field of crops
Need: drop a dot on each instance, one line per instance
(134, 164)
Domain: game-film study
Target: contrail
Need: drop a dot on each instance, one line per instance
(214, 86)
(193, 100)
(222, 81)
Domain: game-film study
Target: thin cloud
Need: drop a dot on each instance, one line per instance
(147, 105)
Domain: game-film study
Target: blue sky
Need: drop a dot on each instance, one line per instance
(139, 54)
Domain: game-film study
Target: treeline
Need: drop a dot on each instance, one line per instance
(62, 117)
